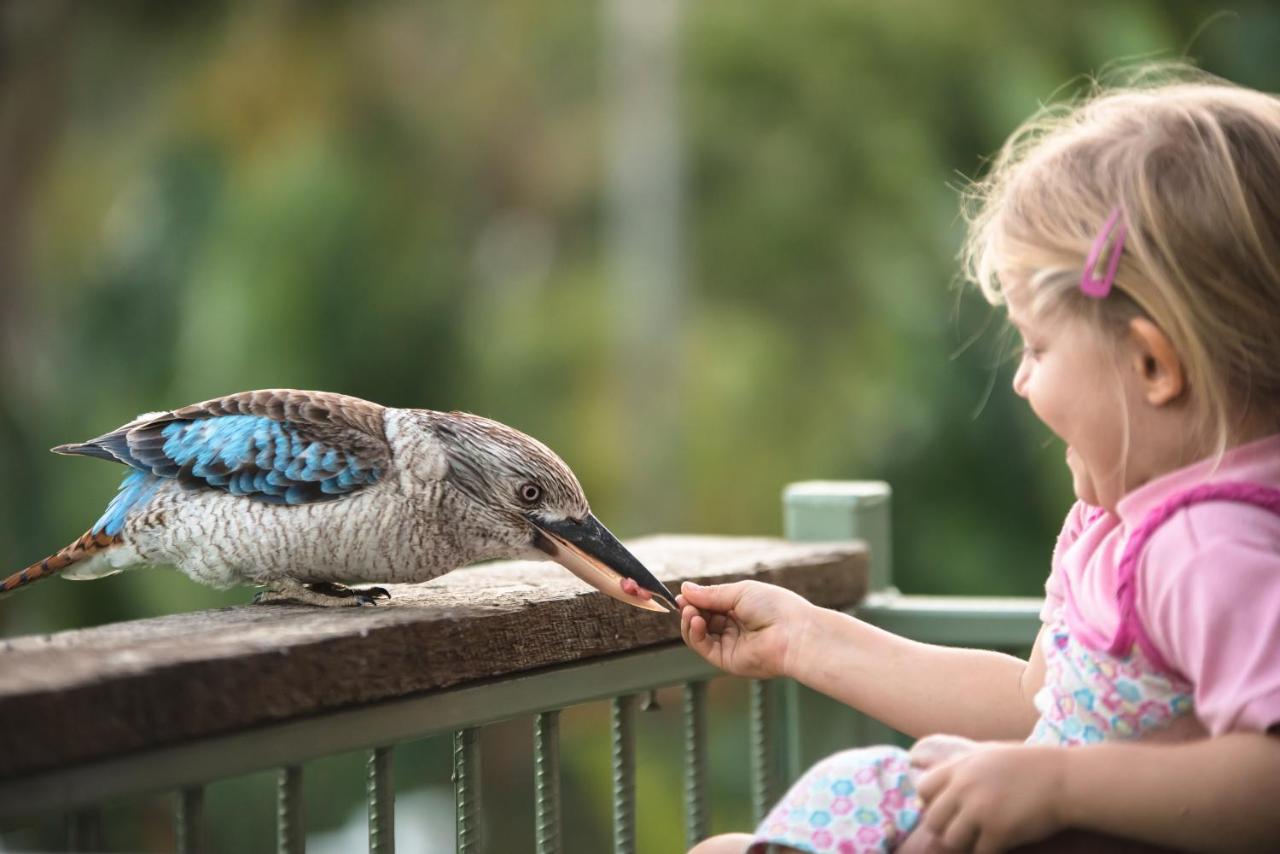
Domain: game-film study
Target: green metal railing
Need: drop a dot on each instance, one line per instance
(816, 511)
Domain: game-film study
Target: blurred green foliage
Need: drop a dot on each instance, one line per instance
(406, 201)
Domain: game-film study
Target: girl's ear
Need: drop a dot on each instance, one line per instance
(1156, 363)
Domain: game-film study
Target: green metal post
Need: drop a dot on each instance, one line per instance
(546, 779)
(696, 817)
(793, 753)
(763, 752)
(624, 774)
(831, 510)
(291, 837)
(466, 791)
(382, 802)
(822, 510)
(190, 824)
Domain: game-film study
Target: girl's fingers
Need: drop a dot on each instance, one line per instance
(704, 633)
(931, 783)
(934, 781)
(713, 624)
(986, 844)
(697, 632)
(717, 623)
(940, 806)
(961, 834)
(717, 597)
(939, 823)
(935, 749)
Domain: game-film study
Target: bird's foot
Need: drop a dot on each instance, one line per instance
(327, 594)
(358, 595)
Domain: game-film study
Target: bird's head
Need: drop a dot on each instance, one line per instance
(538, 508)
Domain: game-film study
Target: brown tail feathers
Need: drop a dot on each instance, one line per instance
(87, 545)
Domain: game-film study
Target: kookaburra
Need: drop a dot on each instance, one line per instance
(302, 492)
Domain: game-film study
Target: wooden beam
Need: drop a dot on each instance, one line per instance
(90, 694)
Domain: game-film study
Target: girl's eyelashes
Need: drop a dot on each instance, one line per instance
(1022, 349)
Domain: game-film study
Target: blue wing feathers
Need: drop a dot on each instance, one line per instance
(279, 446)
(257, 457)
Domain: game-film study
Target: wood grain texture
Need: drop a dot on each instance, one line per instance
(90, 694)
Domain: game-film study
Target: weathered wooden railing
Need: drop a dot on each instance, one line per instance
(176, 702)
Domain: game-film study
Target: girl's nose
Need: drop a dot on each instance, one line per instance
(1020, 378)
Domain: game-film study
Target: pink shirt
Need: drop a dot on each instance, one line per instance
(1208, 585)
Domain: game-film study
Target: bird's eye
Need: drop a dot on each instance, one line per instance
(530, 493)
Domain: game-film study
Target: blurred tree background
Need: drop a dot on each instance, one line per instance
(702, 250)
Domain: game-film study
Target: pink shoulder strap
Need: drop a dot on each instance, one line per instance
(1130, 628)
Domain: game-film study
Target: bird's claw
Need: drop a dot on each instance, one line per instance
(370, 595)
(358, 595)
(322, 593)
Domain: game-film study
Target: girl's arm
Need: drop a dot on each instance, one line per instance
(1214, 794)
(761, 631)
(918, 688)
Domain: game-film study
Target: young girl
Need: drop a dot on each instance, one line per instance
(1135, 242)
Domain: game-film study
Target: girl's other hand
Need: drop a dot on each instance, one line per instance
(933, 750)
(994, 797)
(746, 628)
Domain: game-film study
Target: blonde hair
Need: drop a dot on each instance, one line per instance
(1193, 163)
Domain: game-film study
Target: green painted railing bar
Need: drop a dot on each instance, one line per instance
(466, 790)
(697, 820)
(291, 835)
(546, 781)
(190, 820)
(762, 749)
(624, 774)
(988, 622)
(84, 830)
(381, 790)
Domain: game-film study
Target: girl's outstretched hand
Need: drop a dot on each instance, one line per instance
(746, 628)
(992, 796)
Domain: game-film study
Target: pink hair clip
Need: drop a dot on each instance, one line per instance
(1095, 287)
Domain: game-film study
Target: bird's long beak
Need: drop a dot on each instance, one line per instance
(588, 550)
